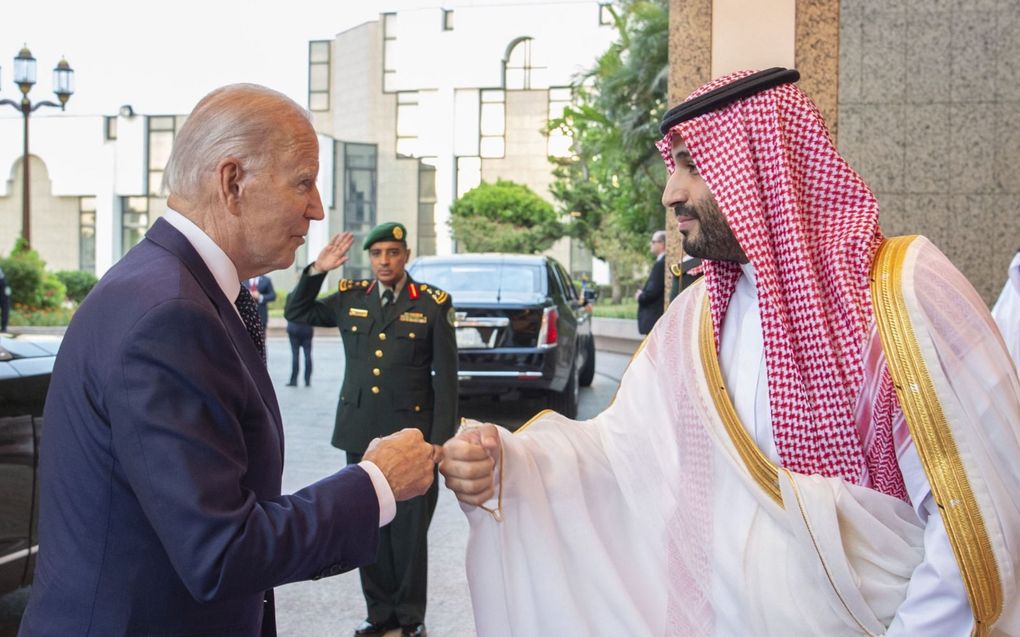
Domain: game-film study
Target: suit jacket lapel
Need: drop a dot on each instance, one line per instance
(168, 237)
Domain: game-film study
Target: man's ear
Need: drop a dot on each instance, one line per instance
(228, 180)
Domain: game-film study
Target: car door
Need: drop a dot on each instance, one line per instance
(20, 407)
(566, 307)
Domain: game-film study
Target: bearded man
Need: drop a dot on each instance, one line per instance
(818, 439)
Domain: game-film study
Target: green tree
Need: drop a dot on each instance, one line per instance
(504, 217)
(612, 184)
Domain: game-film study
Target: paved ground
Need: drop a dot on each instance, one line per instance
(334, 606)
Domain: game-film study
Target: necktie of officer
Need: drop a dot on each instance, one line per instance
(387, 303)
(250, 316)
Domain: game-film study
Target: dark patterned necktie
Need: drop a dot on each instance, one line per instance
(387, 303)
(250, 315)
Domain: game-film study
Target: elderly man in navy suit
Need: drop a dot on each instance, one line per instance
(161, 511)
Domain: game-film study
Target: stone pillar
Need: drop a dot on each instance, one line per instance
(690, 66)
(815, 50)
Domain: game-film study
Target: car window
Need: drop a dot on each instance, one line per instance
(568, 285)
(482, 277)
(554, 281)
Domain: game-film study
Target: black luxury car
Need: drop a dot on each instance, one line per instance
(26, 363)
(521, 325)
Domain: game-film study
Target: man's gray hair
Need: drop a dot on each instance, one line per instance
(238, 120)
(659, 236)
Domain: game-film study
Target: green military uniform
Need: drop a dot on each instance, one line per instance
(388, 385)
(682, 277)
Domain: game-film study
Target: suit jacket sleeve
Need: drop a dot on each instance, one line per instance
(268, 292)
(444, 382)
(303, 306)
(655, 285)
(181, 421)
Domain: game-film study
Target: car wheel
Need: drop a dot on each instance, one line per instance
(588, 369)
(565, 402)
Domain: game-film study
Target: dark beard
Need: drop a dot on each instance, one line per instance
(713, 240)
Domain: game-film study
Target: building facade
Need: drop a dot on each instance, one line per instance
(464, 93)
(413, 110)
(920, 96)
(99, 188)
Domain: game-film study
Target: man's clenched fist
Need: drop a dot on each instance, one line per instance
(407, 461)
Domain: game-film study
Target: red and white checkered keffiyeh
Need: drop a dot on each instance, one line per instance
(809, 225)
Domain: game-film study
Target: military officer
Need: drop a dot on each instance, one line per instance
(684, 274)
(396, 333)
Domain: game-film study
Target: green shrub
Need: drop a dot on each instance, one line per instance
(22, 316)
(24, 270)
(78, 283)
(52, 292)
(625, 310)
(504, 217)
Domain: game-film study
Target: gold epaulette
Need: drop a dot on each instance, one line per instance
(675, 269)
(350, 284)
(439, 296)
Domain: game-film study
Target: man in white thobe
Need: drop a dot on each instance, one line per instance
(820, 439)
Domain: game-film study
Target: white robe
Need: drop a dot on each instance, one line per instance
(1006, 311)
(646, 521)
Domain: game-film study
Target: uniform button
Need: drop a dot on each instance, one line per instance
(375, 390)
(411, 335)
(382, 337)
(417, 407)
(354, 329)
(378, 353)
(376, 371)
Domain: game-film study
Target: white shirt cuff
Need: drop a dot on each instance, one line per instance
(387, 503)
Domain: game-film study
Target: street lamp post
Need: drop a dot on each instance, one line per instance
(24, 77)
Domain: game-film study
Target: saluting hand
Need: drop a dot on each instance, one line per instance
(334, 254)
(407, 461)
(468, 462)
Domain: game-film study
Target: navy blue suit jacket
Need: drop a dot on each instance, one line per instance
(161, 462)
(650, 303)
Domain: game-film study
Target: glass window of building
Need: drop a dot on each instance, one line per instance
(517, 65)
(427, 206)
(605, 14)
(110, 127)
(408, 123)
(469, 174)
(492, 123)
(559, 141)
(447, 19)
(319, 54)
(359, 202)
(87, 234)
(519, 69)
(389, 24)
(134, 221)
(160, 141)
